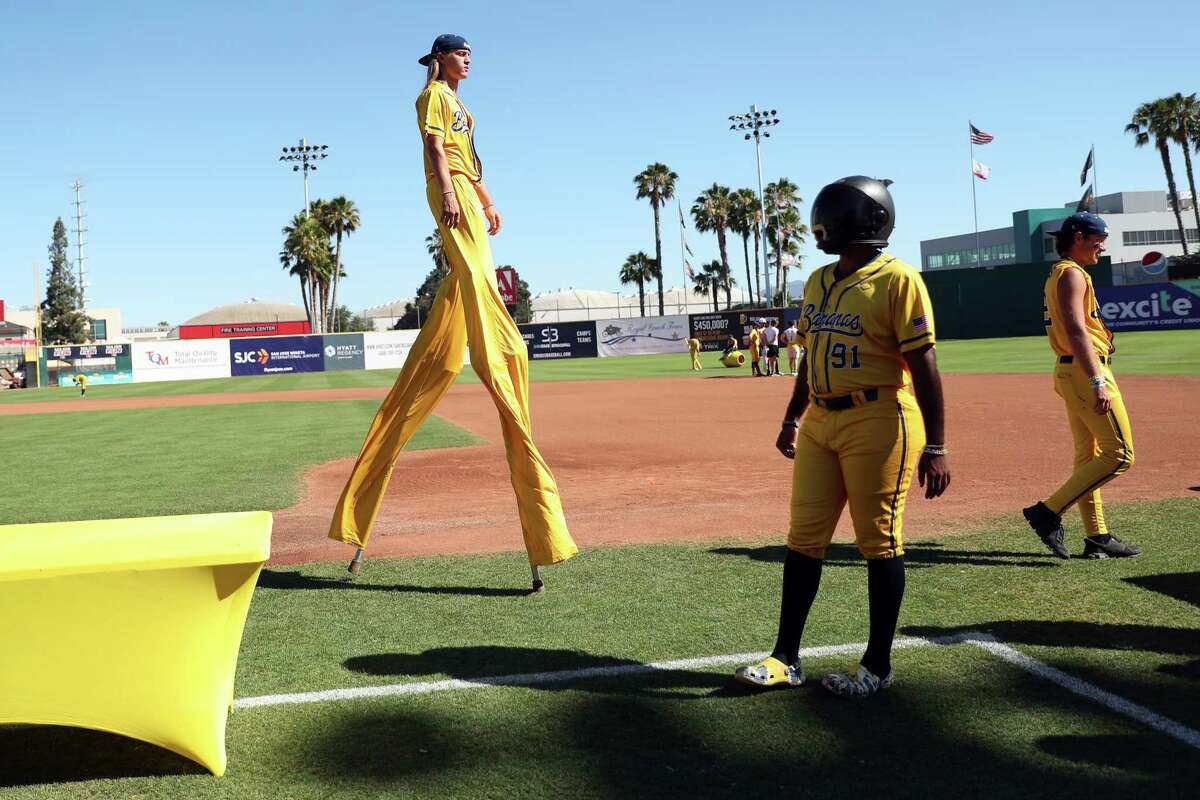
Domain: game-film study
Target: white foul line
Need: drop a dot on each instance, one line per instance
(538, 678)
(1092, 692)
(986, 642)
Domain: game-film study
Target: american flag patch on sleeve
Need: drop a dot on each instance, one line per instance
(920, 324)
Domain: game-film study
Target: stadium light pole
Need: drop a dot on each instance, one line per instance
(304, 158)
(755, 124)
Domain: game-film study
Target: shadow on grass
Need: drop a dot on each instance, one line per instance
(1183, 586)
(530, 667)
(276, 579)
(35, 754)
(1070, 633)
(381, 748)
(918, 555)
(1110, 751)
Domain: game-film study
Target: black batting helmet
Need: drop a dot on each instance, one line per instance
(854, 210)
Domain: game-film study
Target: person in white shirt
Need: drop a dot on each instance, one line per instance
(771, 340)
(791, 340)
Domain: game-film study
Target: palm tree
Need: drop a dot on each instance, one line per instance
(711, 212)
(718, 278)
(639, 268)
(702, 284)
(433, 246)
(338, 217)
(307, 250)
(1186, 110)
(788, 230)
(779, 196)
(657, 183)
(744, 221)
(1154, 120)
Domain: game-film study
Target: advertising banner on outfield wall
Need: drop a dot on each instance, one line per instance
(638, 336)
(714, 329)
(1149, 307)
(180, 360)
(389, 349)
(276, 355)
(343, 351)
(101, 363)
(560, 340)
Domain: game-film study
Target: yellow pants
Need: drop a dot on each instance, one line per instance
(467, 310)
(1103, 445)
(696, 359)
(866, 455)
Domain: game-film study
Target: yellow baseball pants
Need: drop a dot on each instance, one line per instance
(467, 311)
(865, 455)
(696, 360)
(1103, 445)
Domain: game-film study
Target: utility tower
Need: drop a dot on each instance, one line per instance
(79, 242)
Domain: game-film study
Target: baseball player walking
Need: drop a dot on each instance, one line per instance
(1083, 378)
(694, 350)
(466, 311)
(870, 373)
(770, 336)
(755, 344)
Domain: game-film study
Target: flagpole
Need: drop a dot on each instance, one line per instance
(682, 256)
(974, 204)
(1095, 183)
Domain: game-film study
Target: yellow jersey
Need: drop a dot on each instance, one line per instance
(856, 329)
(440, 112)
(755, 339)
(1098, 333)
(81, 380)
(694, 345)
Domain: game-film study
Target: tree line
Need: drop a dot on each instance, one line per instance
(1171, 120)
(719, 210)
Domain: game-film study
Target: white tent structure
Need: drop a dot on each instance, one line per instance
(572, 305)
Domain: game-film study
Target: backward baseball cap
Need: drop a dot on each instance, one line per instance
(446, 43)
(1083, 222)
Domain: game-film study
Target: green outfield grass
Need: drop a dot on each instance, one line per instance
(959, 722)
(1160, 353)
(184, 460)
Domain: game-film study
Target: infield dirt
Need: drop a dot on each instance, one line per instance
(684, 459)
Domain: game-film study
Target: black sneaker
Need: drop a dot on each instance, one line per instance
(1048, 527)
(1113, 548)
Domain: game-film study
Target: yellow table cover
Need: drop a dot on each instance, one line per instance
(130, 626)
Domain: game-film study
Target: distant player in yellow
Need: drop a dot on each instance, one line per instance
(1083, 379)
(467, 310)
(81, 382)
(870, 373)
(755, 348)
(694, 349)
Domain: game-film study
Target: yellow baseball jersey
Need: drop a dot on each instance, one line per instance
(81, 380)
(440, 112)
(694, 345)
(1099, 334)
(856, 329)
(755, 339)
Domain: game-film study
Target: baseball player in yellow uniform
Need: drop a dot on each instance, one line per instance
(694, 349)
(870, 373)
(81, 382)
(755, 348)
(1083, 378)
(467, 311)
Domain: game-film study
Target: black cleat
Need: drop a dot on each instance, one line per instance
(1113, 548)
(1048, 527)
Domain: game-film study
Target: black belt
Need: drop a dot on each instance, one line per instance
(845, 401)
(1070, 359)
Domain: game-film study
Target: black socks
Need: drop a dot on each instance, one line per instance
(885, 589)
(801, 577)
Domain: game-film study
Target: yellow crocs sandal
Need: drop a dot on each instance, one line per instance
(770, 672)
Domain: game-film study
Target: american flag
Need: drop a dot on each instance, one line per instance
(978, 136)
(920, 324)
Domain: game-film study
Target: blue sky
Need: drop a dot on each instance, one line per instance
(173, 114)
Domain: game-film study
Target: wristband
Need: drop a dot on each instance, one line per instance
(1097, 382)
(446, 193)
(791, 423)
(935, 450)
